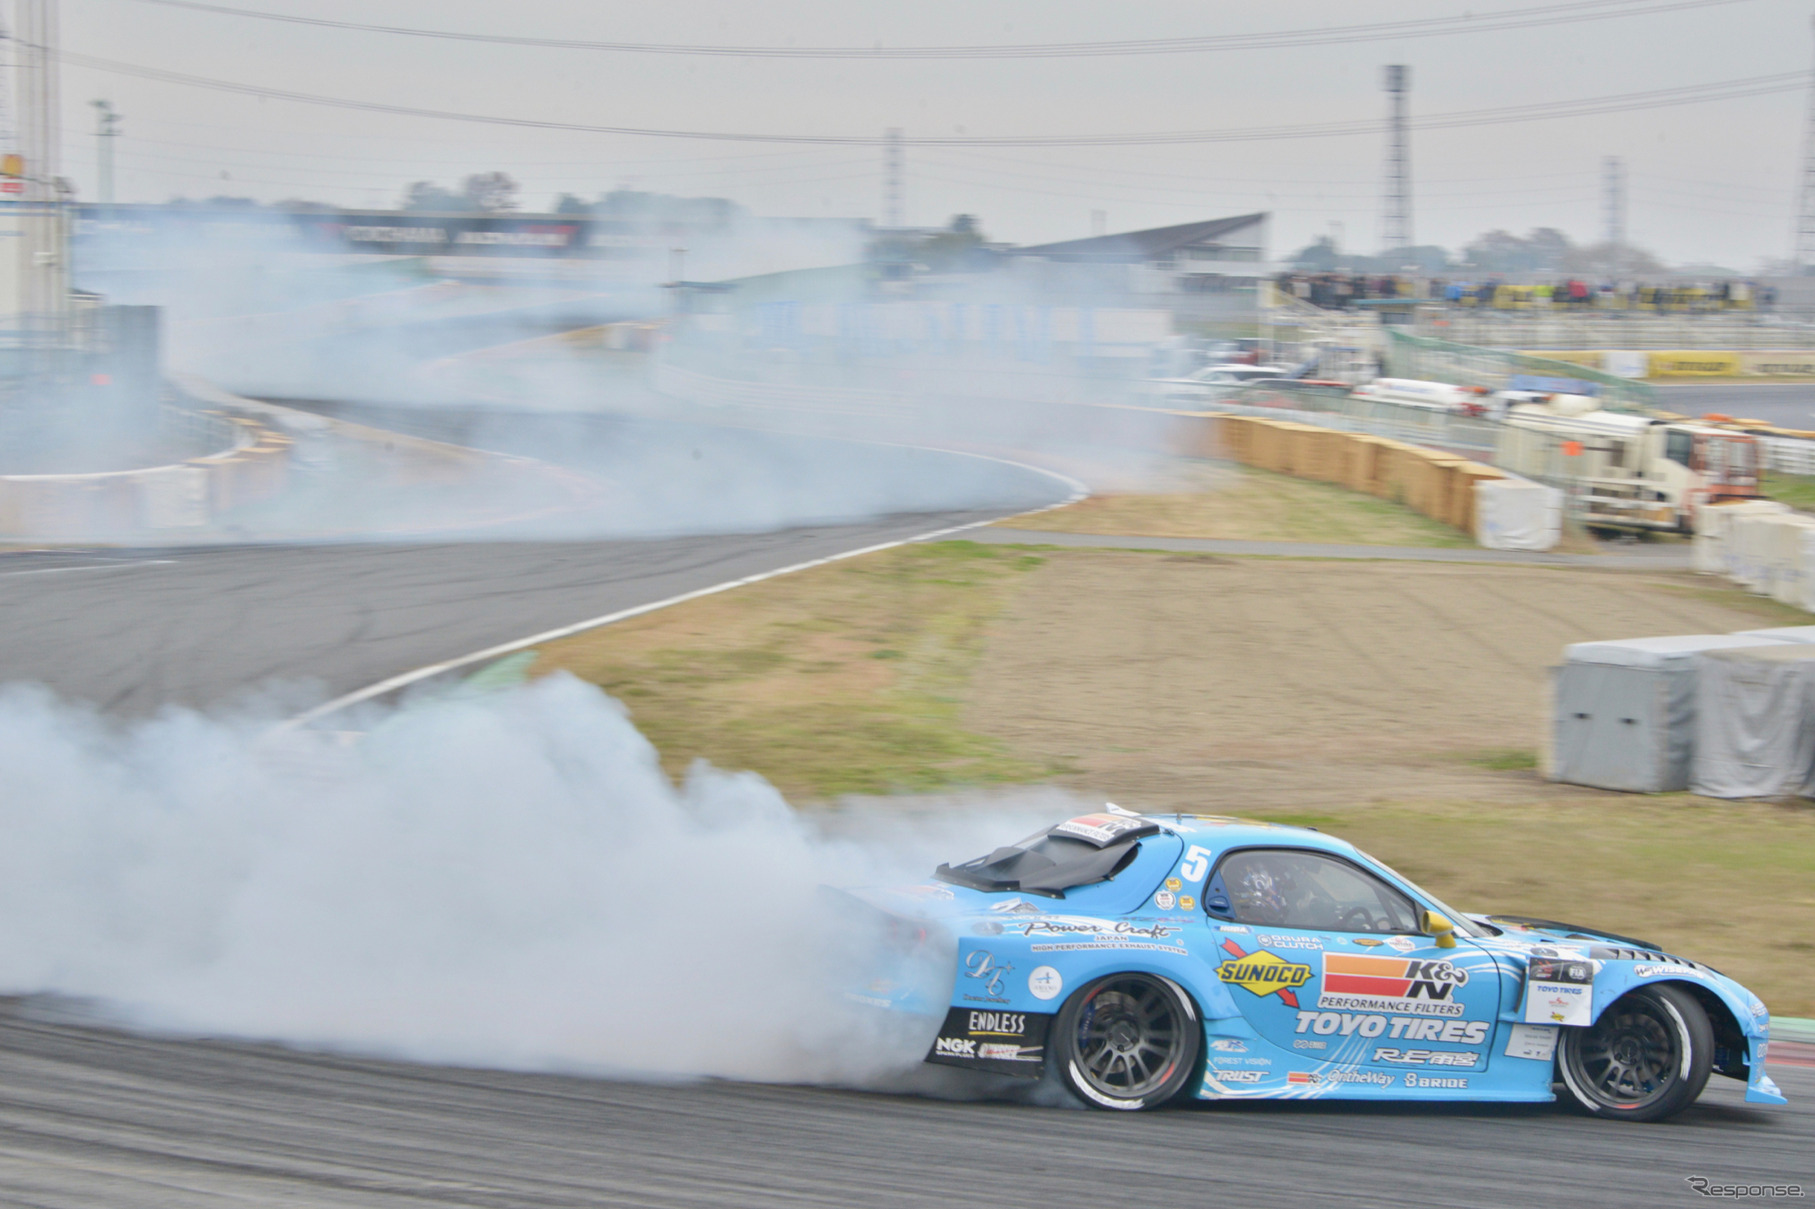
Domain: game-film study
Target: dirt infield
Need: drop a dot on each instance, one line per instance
(1202, 682)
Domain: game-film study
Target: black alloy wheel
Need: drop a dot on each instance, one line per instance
(1128, 1042)
(1645, 1059)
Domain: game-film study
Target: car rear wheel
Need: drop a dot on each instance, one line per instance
(1128, 1042)
(1645, 1059)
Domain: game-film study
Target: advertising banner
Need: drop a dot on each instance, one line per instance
(1693, 363)
(1797, 363)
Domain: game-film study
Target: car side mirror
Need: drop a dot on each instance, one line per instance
(1439, 929)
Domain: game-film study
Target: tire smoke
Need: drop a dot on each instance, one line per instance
(509, 881)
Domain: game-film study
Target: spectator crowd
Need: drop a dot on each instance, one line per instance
(1342, 291)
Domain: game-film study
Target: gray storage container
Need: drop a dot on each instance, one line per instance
(1755, 722)
(1623, 712)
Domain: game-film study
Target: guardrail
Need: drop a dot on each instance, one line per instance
(251, 462)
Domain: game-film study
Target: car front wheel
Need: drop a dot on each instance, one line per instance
(1128, 1042)
(1645, 1059)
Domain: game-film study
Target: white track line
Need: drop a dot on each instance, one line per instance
(115, 566)
(1078, 491)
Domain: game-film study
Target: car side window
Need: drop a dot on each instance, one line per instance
(1286, 888)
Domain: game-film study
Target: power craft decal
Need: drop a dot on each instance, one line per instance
(1262, 973)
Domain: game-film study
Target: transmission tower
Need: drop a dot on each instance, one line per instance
(107, 129)
(1613, 182)
(892, 206)
(1805, 209)
(1396, 215)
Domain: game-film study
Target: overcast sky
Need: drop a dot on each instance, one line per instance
(1711, 181)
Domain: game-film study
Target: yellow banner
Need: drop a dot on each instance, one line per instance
(1694, 364)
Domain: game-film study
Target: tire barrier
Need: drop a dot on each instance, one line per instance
(1439, 485)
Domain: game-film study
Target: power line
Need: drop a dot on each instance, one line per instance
(226, 156)
(1430, 27)
(1720, 90)
(1096, 171)
(1095, 184)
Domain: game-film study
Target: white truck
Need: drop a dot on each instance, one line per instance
(1633, 473)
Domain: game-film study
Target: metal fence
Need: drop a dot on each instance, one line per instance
(1787, 455)
(1425, 357)
(1634, 330)
(1471, 435)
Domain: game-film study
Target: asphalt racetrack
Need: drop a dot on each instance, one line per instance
(134, 630)
(91, 1116)
(1786, 404)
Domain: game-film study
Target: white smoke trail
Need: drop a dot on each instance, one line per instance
(509, 881)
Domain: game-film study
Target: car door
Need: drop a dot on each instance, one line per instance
(1325, 960)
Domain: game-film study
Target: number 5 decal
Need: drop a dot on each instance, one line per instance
(1197, 863)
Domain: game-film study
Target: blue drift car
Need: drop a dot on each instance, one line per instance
(1144, 960)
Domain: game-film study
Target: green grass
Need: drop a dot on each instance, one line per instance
(1796, 490)
(1503, 759)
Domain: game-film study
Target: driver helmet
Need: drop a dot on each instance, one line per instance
(1259, 894)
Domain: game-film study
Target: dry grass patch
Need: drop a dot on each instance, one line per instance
(1244, 504)
(849, 678)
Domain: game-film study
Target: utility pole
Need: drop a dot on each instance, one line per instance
(107, 129)
(893, 207)
(1396, 214)
(1613, 176)
(1805, 208)
(39, 291)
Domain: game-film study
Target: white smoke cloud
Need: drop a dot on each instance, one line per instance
(510, 881)
(824, 438)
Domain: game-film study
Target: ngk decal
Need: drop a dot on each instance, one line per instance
(1413, 985)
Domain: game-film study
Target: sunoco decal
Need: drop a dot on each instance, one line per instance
(1263, 973)
(1412, 985)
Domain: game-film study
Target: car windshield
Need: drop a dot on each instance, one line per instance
(1464, 924)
